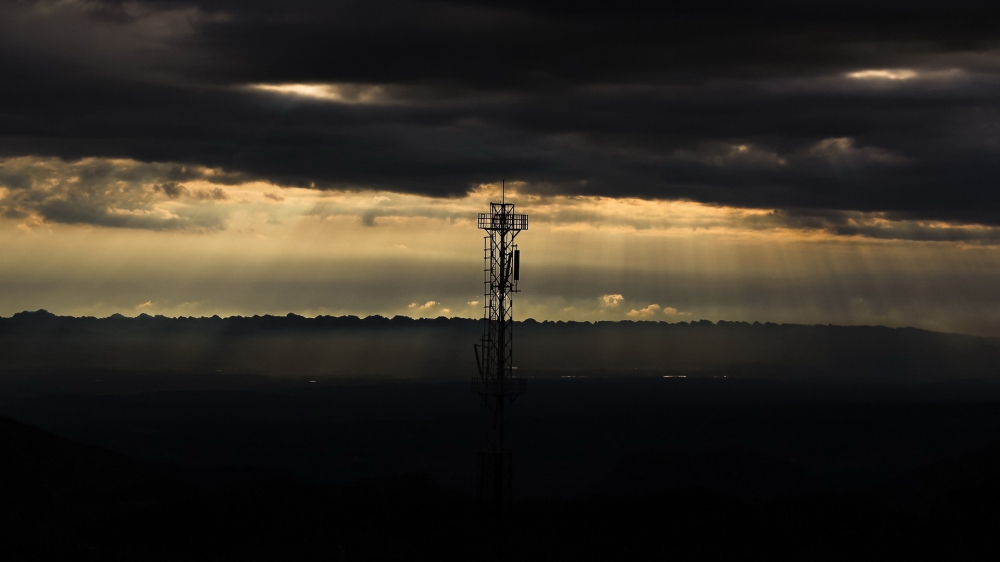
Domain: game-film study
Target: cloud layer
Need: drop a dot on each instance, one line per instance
(885, 109)
(100, 192)
(123, 193)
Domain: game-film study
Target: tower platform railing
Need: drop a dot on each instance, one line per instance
(506, 387)
(498, 221)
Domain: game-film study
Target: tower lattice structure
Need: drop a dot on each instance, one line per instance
(496, 384)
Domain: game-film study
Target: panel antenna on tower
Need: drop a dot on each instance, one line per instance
(496, 384)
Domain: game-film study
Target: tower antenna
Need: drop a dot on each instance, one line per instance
(496, 384)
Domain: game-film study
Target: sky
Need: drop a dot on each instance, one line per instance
(770, 161)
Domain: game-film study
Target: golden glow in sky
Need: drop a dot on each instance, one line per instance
(883, 74)
(96, 237)
(340, 93)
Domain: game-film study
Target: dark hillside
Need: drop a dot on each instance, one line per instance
(353, 439)
(441, 349)
(935, 512)
(39, 468)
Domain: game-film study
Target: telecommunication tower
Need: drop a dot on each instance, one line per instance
(496, 384)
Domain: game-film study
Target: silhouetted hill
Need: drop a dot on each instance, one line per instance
(441, 349)
(55, 493)
(791, 442)
(38, 468)
(60, 500)
(936, 512)
(974, 475)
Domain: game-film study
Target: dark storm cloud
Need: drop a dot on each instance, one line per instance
(106, 193)
(882, 226)
(745, 104)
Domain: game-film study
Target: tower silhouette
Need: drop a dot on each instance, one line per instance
(496, 384)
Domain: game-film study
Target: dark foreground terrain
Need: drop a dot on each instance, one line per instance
(71, 502)
(325, 474)
(355, 439)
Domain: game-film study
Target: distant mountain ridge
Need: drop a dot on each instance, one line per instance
(43, 319)
(441, 348)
